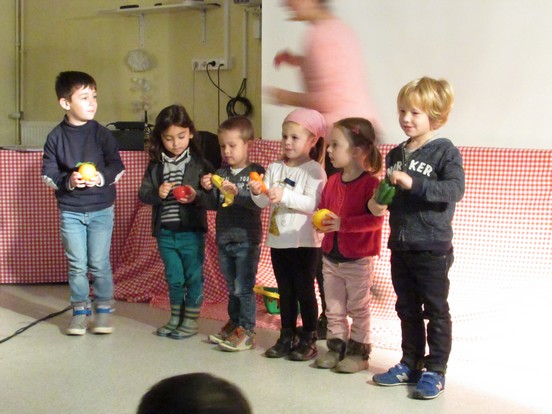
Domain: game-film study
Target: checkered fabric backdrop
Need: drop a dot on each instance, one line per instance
(30, 242)
(503, 243)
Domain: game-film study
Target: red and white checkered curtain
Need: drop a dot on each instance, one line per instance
(502, 242)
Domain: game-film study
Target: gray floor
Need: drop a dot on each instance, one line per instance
(44, 371)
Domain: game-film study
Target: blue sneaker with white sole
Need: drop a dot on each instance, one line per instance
(400, 374)
(430, 385)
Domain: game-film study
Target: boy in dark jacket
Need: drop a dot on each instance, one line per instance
(239, 233)
(428, 174)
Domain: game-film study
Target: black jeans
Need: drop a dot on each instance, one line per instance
(421, 282)
(295, 270)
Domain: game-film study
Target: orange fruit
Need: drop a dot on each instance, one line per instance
(319, 216)
(87, 171)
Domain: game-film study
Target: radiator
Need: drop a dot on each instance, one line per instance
(33, 133)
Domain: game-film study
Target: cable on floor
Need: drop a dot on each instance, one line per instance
(21, 330)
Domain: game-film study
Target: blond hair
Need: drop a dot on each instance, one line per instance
(434, 97)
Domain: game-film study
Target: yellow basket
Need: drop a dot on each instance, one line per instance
(271, 298)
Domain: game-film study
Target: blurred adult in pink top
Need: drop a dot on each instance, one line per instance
(334, 81)
(332, 67)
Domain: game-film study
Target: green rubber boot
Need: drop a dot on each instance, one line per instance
(189, 326)
(174, 322)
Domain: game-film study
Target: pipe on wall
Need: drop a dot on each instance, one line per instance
(18, 114)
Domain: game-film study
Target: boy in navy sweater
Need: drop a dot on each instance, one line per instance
(85, 203)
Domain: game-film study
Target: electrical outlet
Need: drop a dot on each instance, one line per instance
(199, 64)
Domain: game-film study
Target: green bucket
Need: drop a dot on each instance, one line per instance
(271, 298)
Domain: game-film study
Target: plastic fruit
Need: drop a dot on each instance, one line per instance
(182, 191)
(254, 176)
(217, 181)
(385, 192)
(87, 170)
(319, 216)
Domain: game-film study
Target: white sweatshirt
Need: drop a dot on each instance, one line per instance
(302, 189)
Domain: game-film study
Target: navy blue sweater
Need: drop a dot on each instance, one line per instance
(66, 146)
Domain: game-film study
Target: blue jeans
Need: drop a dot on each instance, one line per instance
(238, 263)
(183, 254)
(86, 239)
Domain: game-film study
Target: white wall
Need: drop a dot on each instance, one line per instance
(496, 54)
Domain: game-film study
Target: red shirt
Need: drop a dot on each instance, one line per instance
(360, 232)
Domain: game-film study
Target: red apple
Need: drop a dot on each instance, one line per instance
(182, 191)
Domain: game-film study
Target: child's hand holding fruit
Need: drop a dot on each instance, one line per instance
(206, 182)
(85, 176)
(165, 188)
(184, 194)
(256, 183)
(326, 221)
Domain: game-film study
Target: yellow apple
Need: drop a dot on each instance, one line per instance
(319, 216)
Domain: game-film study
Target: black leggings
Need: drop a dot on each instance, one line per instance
(295, 271)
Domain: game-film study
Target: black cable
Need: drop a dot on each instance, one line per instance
(218, 94)
(212, 63)
(21, 330)
(234, 102)
(244, 103)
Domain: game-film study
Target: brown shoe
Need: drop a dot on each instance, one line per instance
(356, 358)
(336, 353)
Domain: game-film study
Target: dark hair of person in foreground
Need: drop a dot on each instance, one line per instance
(197, 393)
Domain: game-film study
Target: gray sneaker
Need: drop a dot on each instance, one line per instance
(225, 332)
(102, 319)
(240, 340)
(79, 323)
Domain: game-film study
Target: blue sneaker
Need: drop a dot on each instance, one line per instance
(400, 374)
(430, 385)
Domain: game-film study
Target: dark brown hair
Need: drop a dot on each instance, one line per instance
(68, 82)
(360, 132)
(197, 393)
(173, 115)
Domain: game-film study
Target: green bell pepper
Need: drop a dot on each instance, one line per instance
(385, 192)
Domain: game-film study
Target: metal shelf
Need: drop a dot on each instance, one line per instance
(166, 8)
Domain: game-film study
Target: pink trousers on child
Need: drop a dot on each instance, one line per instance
(347, 289)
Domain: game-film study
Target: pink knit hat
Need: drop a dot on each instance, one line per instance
(310, 119)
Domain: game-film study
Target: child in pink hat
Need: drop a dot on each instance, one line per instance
(294, 185)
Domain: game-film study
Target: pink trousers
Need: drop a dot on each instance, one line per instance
(347, 290)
